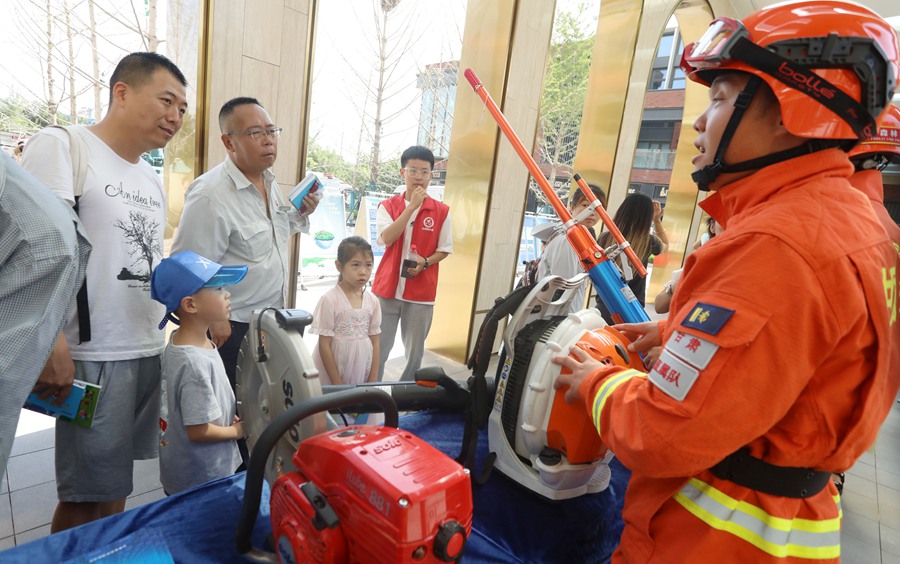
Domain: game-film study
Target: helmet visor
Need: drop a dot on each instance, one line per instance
(714, 47)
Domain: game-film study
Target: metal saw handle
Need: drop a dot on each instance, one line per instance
(257, 466)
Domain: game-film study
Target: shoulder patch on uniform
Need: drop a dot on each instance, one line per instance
(673, 376)
(707, 318)
(696, 351)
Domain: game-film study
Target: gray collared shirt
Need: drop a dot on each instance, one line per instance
(43, 256)
(225, 220)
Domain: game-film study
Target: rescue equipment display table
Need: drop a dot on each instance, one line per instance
(511, 524)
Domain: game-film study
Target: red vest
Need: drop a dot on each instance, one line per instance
(425, 235)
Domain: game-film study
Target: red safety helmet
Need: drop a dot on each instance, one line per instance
(839, 54)
(884, 147)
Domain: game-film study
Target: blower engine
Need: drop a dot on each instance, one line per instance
(540, 440)
(361, 493)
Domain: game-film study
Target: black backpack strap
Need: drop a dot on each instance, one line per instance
(81, 304)
(479, 408)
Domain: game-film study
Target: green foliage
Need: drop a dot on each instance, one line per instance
(324, 160)
(23, 116)
(565, 86)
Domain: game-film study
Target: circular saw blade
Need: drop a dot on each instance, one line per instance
(267, 388)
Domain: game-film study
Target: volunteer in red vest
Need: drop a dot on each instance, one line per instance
(404, 220)
(776, 368)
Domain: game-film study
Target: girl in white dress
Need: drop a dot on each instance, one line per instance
(347, 320)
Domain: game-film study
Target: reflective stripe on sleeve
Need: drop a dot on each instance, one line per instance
(606, 389)
(777, 536)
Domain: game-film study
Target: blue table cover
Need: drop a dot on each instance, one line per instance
(511, 524)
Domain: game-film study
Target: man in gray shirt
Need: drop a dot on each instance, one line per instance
(236, 214)
(43, 256)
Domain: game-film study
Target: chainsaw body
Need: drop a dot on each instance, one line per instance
(371, 494)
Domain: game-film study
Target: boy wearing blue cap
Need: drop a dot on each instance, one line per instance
(198, 424)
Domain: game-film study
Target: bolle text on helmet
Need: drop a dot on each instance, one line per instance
(808, 82)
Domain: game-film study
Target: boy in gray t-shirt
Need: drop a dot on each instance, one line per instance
(198, 425)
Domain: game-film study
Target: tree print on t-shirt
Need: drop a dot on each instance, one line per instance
(141, 234)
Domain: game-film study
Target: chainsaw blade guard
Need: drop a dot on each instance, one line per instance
(267, 387)
(542, 442)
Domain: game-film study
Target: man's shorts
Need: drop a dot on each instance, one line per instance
(96, 464)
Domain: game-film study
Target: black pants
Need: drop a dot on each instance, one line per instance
(229, 353)
(231, 349)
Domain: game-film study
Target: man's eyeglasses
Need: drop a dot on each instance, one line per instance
(257, 134)
(417, 172)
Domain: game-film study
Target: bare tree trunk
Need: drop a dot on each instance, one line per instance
(73, 106)
(95, 59)
(51, 102)
(152, 37)
(379, 99)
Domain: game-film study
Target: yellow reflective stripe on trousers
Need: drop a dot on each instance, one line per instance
(799, 538)
(607, 388)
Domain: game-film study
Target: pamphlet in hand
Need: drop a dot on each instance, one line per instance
(309, 185)
(78, 408)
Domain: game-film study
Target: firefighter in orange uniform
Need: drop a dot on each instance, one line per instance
(872, 156)
(775, 369)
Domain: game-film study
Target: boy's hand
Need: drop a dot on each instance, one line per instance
(219, 332)
(417, 197)
(238, 427)
(55, 382)
(420, 266)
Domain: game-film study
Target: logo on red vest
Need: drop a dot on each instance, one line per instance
(428, 224)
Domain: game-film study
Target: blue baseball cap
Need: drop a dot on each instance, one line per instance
(186, 273)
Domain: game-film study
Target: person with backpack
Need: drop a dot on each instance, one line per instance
(111, 337)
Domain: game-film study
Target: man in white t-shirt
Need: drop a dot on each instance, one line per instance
(111, 336)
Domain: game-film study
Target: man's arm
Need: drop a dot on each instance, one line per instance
(202, 228)
(58, 374)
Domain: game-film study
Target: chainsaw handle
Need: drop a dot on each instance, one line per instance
(256, 467)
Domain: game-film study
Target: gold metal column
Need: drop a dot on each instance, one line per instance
(682, 214)
(604, 102)
(506, 44)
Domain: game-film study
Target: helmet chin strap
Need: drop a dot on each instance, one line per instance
(708, 174)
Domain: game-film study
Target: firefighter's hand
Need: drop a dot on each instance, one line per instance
(651, 357)
(644, 336)
(581, 365)
(55, 381)
(219, 331)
